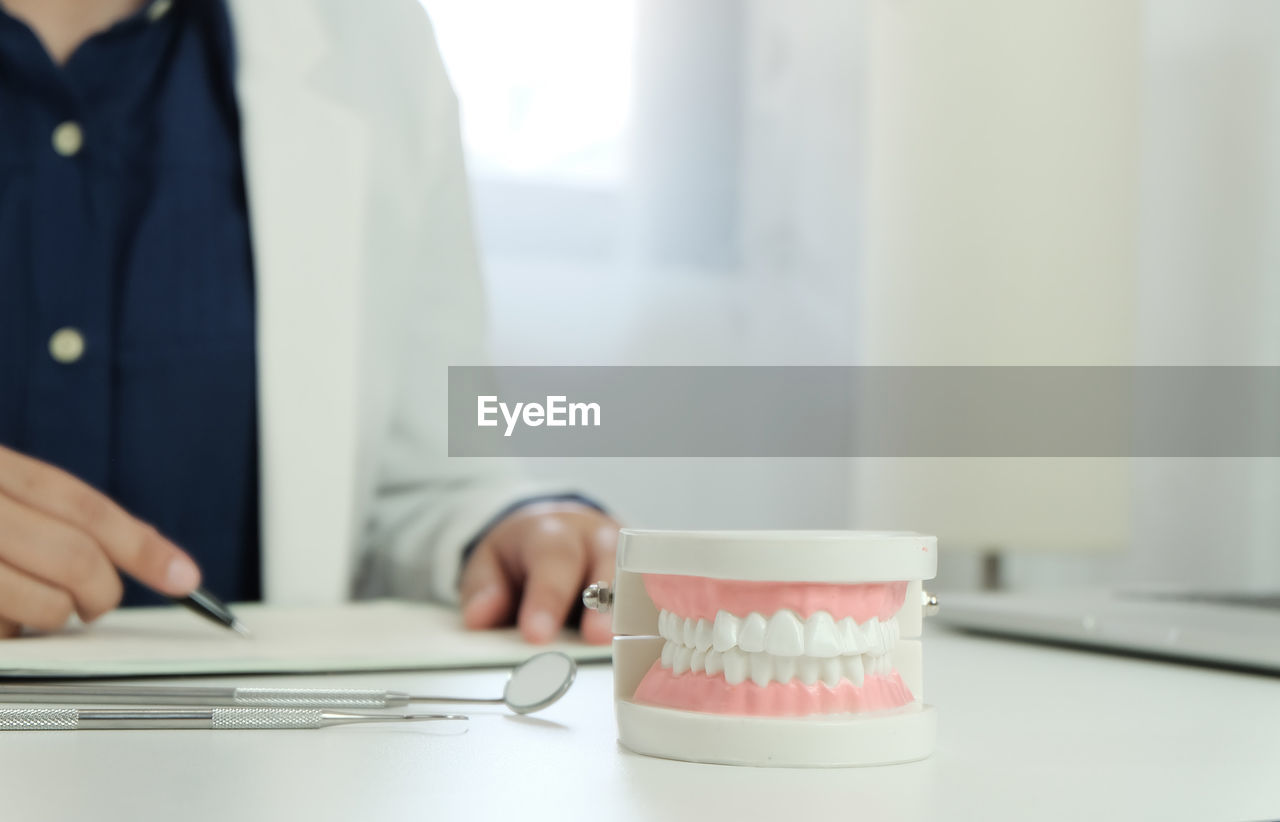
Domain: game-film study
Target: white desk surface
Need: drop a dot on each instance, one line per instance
(1026, 732)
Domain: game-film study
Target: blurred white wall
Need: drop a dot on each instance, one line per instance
(1209, 279)
(580, 271)
(644, 267)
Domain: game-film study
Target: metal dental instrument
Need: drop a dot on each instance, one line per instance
(219, 719)
(534, 684)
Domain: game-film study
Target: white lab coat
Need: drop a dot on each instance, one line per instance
(367, 289)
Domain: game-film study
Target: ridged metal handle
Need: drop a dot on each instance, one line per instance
(39, 719)
(336, 698)
(220, 719)
(228, 719)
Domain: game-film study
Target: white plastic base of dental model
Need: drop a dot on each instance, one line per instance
(904, 735)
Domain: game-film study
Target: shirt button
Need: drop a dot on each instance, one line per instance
(66, 345)
(158, 9)
(68, 138)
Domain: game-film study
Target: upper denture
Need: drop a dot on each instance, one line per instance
(701, 597)
(780, 634)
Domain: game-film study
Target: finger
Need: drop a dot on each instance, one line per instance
(556, 564)
(597, 628)
(59, 555)
(9, 629)
(28, 601)
(485, 590)
(131, 545)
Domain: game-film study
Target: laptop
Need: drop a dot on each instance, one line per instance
(1233, 629)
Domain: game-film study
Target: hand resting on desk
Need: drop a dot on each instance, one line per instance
(541, 556)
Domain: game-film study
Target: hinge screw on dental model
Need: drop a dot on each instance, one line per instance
(598, 596)
(929, 602)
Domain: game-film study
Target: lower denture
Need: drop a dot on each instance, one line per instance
(693, 691)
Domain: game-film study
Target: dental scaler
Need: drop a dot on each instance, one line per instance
(780, 648)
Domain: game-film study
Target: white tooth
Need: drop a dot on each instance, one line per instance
(853, 669)
(784, 668)
(686, 635)
(886, 634)
(680, 663)
(820, 636)
(725, 633)
(808, 670)
(872, 639)
(702, 635)
(714, 662)
(668, 651)
(662, 623)
(751, 637)
(849, 637)
(761, 669)
(696, 660)
(832, 671)
(785, 635)
(735, 666)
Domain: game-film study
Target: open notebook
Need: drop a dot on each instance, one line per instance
(358, 636)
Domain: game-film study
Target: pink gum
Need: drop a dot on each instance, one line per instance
(692, 691)
(702, 597)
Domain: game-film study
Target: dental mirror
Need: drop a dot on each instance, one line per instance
(534, 684)
(539, 681)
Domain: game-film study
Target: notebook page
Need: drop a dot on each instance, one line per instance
(357, 636)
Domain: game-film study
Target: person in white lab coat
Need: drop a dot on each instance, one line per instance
(338, 232)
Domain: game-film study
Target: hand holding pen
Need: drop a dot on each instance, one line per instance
(62, 544)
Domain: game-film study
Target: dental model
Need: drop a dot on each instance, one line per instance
(790, 648)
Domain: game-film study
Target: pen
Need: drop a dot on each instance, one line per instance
(210, 607)
(217, 719)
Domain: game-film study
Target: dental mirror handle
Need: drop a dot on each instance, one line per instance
(218, 719)
(180, 695)
(239, 697)
(454, 700)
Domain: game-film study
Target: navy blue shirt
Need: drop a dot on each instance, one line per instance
(126, 283)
